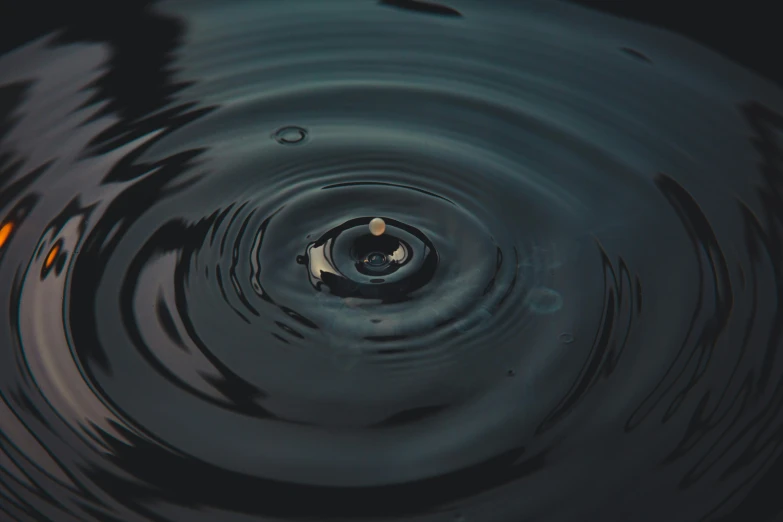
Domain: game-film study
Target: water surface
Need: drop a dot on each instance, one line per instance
(574, 313)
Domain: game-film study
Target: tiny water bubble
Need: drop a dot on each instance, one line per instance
(290, 135)
(566, 338)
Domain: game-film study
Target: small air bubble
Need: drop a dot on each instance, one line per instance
(290, 135)
(566, 338)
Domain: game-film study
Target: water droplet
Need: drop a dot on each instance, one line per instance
(543, 300)
(290, 135)
(377, 226)
(566, 338)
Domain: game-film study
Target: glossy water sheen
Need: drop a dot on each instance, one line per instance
(574, 313)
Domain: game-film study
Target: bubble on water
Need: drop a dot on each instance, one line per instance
(290, 135)
(542, 300)
(566, 338)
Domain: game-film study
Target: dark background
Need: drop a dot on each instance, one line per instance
(748, 33)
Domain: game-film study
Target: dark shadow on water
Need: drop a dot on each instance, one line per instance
(138, 77)
(748, 34)
(422, 7)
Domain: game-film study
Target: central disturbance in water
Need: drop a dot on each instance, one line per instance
(376, 260)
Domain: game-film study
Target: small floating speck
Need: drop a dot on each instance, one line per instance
(566, 338)
(290, 135)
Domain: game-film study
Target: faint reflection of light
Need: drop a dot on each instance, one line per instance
(5, 233)
(46, 347)
(320, 263)
(399, 254)
(50, 259)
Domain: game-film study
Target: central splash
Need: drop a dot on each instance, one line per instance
(352, 261)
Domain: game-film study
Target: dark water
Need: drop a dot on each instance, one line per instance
(574, 314)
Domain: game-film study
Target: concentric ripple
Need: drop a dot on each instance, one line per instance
(574, 312)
